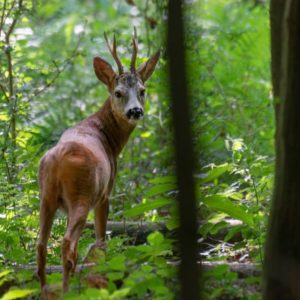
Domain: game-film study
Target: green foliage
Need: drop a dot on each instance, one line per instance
(223, 204)
(226, 286)
(16, 294)
(146, 206)
(138, 272)
(51, 48)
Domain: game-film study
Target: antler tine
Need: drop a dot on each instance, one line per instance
(134, 51)
(113, 51)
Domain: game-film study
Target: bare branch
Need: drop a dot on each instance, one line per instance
(4, 146)
(2, 16)
(15, 19)
(10, 9)
(8, 172)
(10, 97)
(8, 50)
(3, 89)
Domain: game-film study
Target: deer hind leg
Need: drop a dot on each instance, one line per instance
(47, 212)
(76, 220)
(101, 214)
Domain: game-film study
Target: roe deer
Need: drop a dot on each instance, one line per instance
(78, 173)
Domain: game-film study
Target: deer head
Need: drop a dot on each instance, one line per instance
(127, 89)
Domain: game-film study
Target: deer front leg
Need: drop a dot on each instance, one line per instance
(97, 250)
(101, 214)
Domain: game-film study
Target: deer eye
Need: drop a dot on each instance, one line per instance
(118, 94)
(142, 93)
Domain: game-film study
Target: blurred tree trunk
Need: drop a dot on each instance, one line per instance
(188, 269)
(282, 264)
(276, 16)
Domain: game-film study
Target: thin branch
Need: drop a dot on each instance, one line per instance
(10, 10)
(2, 16)
(8, 173)
(11, 99)
(12, 109)
(2, 87)
(10, 72)
(4, 146)
(15, 19)
(147, 27)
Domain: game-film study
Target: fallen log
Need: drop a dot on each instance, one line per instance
(242, 269)
(136, 230)
(139, 230)
(124, 226)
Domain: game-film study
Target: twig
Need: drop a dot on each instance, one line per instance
(257, 204)
(11, 98)
(15, 19)
(2, 16)
(4, 147)
(10, 10)
(147, 27)
(2, 87)
(7, 169)
(7, 41)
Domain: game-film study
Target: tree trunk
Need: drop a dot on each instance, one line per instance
(282, 265)
(187, 233)
(276, 16)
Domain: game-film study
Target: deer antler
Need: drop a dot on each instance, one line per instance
(134, 51)
(113, 51)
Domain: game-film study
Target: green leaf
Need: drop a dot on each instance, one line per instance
(91, 293)
(218, 271)
(4, 273)
(4, 117)
(215, 173)
(223, 204)
(4, 277)
(113, 276)
(173, 223)
(119, 294)
(145, 207)
(117, 263)
(159, 189)
(163, 179)
(232, 232)
(155, 238)
(15, 294)
(145, 134)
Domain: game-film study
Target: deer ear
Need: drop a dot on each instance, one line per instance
(104, 71)
(146, 69)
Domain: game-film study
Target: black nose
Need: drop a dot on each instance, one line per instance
(135, 112)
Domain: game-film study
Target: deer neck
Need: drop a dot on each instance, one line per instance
(115, 128)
